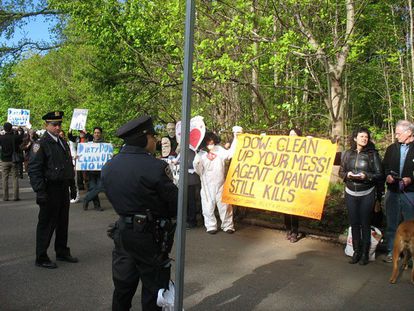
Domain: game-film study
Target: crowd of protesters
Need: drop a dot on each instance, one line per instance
(362, 169)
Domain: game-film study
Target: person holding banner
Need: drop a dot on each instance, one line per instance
(51, 177)
(94, 178)
(168, 144)
(9, 143)
(361, 170)
(83, 137)
(292, 221)
(210, 166)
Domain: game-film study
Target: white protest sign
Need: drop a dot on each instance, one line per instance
(79, 119)
(92, 156)
(197, 132)
(18, 117)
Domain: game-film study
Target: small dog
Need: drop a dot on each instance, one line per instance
(404, 242)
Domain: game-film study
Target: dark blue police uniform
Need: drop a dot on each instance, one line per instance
(51, 176)
(141, 190)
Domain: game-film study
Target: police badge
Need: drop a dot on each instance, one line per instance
(35, 147)
(168, 172)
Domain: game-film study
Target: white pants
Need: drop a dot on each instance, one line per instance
(210, 197)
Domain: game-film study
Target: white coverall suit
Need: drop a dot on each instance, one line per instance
(211, 168)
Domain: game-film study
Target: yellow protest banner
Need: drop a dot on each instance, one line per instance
(287, 174)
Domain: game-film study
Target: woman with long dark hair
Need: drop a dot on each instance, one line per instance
(361, 170)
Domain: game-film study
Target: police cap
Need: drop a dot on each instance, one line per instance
(140, 126)
(53, 116)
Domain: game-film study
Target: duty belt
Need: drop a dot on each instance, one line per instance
(130, 219)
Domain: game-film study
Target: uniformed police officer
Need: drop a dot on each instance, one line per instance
(51, 176)
(142, 192)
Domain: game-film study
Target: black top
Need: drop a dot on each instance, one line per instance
(6, 144)
(135, 181)
(391, 162)
(366, 161)
(50, 163)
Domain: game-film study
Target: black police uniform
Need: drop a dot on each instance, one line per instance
(51, 175)
(142, 193)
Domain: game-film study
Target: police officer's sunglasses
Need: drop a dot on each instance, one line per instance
(55, 123)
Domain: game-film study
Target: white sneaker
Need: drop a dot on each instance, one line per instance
(77, 198)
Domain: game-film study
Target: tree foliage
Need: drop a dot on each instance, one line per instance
(324, 66)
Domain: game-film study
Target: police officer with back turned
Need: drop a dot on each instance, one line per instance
(51, 176)
(142, 192)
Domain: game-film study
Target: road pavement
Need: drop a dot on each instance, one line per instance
(253, 269)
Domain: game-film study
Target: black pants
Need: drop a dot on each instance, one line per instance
(359, 214)
(136, 257)
(53, 217)
(292, 223)
(192, 207)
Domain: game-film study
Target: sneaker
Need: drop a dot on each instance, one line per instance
(388, 258)
(213, 231)
(229, 231)
(287, 235)
(293, 238)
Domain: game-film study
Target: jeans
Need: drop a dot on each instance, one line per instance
(398, 207)
(359, 215)
(95, 187)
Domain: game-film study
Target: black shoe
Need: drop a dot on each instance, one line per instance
(212, 231)
(98, 208)
(45, 264)
(229, 231)
(85, 205)
(364, 259)
(355, 258)
(16, 199)
(67, 258)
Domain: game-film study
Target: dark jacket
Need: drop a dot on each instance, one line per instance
(50, 163)
(6, 143)
(135, 181)
(368, 162)
(391, 162)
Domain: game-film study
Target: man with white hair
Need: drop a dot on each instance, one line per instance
(398, 166)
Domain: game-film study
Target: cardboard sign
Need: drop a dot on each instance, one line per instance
(287, 174)
(18, 117)
(197, 132)
(78, 121)
(92, 156)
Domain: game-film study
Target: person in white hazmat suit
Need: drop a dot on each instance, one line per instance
(210, 165)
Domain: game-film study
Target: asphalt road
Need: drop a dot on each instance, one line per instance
(253, 269)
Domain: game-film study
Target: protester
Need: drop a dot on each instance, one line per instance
(210, 166)
(26, 146)
(168, 144)
(292, 221)
(9, 144)
(52, 191)
(19, 151)
(360, 169)
(141, 190)
(398, 166)
(83, 137)
(94, 178)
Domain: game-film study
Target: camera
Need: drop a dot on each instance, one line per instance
(395, 175)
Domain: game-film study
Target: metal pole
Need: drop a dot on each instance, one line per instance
(185, 130)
